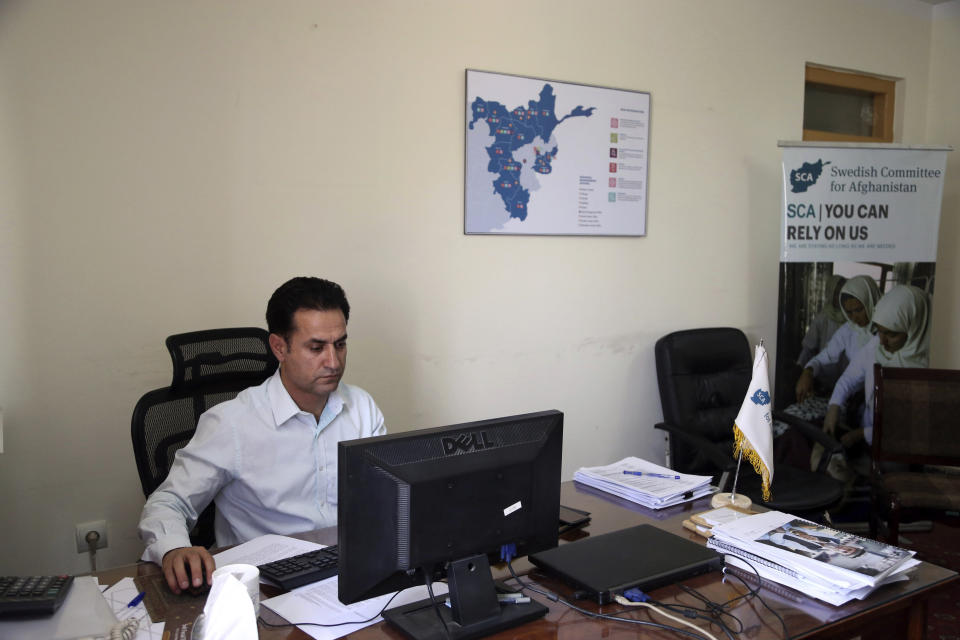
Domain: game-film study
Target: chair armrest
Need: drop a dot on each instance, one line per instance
(723, 460)
(812, 432)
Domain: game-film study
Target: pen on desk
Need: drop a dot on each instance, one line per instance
(137, 599)
(506, 598)
(652, 475)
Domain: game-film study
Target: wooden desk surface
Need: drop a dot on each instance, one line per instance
(893, 611)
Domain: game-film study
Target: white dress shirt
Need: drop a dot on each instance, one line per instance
(268, 466)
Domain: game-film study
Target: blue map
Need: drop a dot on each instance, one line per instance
(516, 133)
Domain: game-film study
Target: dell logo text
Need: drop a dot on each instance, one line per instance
(466, 442)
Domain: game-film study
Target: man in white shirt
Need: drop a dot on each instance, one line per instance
(267, 458)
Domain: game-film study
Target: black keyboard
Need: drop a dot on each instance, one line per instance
(305, 568)
(32, 595)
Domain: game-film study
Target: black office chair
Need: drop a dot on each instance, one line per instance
(209, 367)
(703, 375)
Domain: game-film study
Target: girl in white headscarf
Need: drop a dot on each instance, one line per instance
(858, 296)
(902, 325)
(903, 328)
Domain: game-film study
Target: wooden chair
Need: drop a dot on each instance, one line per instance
(915, 444)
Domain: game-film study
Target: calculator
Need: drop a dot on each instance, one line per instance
(32, 595)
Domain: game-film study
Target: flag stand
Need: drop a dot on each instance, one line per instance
(732, 499)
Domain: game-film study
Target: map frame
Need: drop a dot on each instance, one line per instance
(520, 178)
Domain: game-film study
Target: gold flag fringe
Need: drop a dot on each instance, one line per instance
(742, 445)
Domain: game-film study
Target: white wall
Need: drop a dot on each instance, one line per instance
(944, 128)
(165, 165)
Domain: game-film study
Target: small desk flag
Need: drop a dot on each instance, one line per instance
(753, 428)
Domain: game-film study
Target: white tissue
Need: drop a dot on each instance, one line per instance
(228, 613)
(249, 577)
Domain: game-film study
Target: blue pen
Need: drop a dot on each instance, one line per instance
(137, 600)
(652, 475)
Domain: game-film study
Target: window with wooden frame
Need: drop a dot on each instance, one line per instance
(842, 106)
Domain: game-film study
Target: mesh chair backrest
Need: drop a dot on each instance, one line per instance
(164, 420)
(218, 355)
(209, 367)
(915, 415)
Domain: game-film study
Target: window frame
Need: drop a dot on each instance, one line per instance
(883, 91)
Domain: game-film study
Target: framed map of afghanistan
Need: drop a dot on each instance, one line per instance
(554, 158)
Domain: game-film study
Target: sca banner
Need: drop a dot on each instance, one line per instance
(857, 221)
(876, 203)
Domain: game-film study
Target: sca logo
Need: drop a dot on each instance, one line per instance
(466, 442)
(806, 176)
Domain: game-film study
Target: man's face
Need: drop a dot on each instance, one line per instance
(892, 341)
(845, 549)
(313, 357)
(856, 312)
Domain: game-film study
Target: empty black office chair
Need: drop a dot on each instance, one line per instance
(209, 367)
(703, 375)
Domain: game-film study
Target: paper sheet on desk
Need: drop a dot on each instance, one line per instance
(264, 549)
(119, 597)
(318, 602)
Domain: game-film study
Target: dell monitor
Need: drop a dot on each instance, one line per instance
(422, 505)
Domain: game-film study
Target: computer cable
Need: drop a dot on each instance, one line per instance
(715, 612)
(756, 593)
(604, 616)
(92, 538)
(433, 600)
(622, 600)
(330, 624)
(719, 610)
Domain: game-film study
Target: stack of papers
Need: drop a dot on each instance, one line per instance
(645, 483)
(830, 565)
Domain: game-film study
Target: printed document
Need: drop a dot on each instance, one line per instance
(263, 550)
(645, 483)
(318, 602)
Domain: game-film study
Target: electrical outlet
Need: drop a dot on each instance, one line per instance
(100, 526)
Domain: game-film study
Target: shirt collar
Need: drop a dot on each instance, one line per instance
(284, 408)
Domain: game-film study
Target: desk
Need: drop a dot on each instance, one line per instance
(893, 611)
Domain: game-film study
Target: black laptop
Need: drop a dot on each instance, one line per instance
(644, 557)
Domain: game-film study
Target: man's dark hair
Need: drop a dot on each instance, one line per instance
(303, 292)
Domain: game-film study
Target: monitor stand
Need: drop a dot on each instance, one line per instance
(474, 610)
